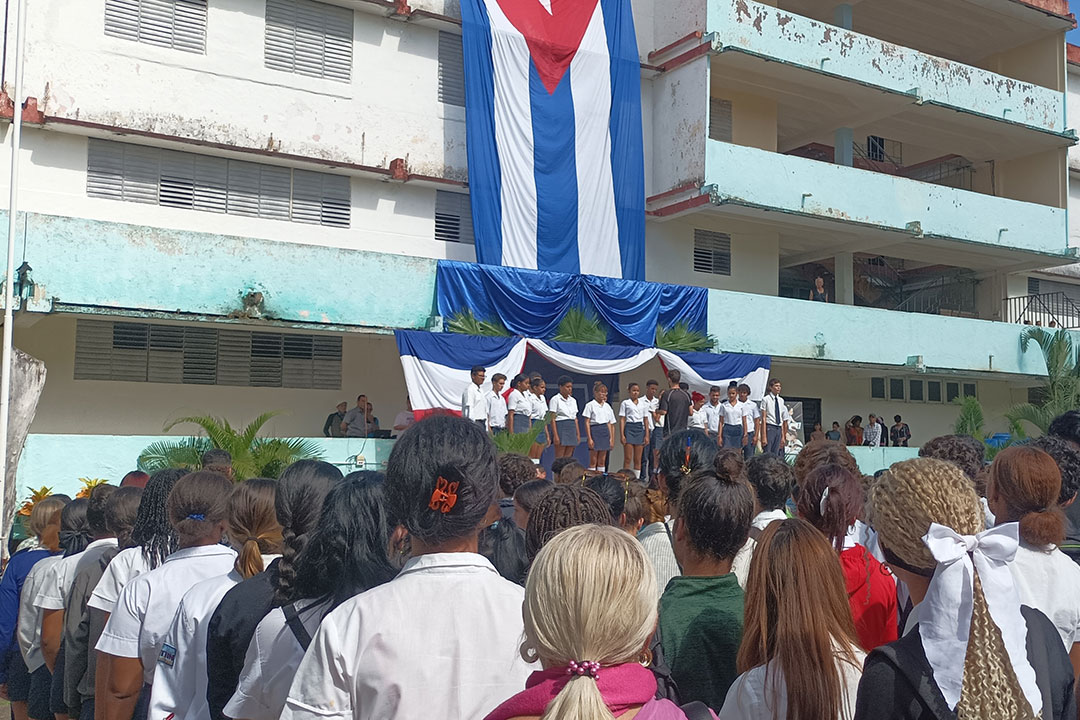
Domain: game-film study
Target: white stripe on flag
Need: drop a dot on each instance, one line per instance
(434, 386)
(590, 83)
(514, 140)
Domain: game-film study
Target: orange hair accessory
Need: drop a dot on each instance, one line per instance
(444, 496)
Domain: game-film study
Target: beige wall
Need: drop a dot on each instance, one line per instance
(370, 365)
(753, 118)
(1041, 62)
(669, 254)
(1037, 178)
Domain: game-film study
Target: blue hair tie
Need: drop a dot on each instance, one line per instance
(197, 516)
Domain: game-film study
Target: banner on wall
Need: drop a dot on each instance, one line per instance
(553, 126)
(437, 365)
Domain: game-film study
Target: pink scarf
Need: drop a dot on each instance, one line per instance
(623, 688)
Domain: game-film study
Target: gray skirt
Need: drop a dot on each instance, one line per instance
(601, 435)
(521, 424)
(542, 439)
(635, 433)
(568, 432)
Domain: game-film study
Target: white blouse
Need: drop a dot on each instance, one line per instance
(1049, 581)
(518, 403)
(599, 414)
(565, 408)
(128, 564)
(699, 419)
(539, 406)
(29, 623)
(732, 414)
(634, 412)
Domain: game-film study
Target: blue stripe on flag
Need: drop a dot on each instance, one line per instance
(485, 173)
(556, 175)
(627, 154)
(460, 352)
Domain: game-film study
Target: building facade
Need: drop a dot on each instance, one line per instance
(227, 205)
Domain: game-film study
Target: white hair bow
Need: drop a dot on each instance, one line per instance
(945, 622)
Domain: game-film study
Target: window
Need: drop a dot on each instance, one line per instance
(969, 390)
(157, 353)
(896, 388)
(453, 217)
(877, 388)
(309, 38)
(136, 173)
(712, 252)
(915, 391)
(178, 24)
(1033, 286)
(933, 391)
(451, 69)
(719, 119)
(952, 391)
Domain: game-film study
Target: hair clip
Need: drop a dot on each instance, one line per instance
(585, 667)
(197, 516)
(686, 461)
(444, 496)
(824, 503)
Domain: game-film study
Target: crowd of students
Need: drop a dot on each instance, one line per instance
(462, 584)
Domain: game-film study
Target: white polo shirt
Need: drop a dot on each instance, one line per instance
(29, 624)
(599, 414)
(733, 414)
(634, 412)
(519, 403)
(496, 410)
(1049, 581)
(271, 662)
(752, 414)
(127, 564)
(57, 583)
(713, 412)
(653, 406)
(699, 419)
(539, 406)
(147, 606)
(565, 408)
(473, 403)
(768, 410)
(439, 640)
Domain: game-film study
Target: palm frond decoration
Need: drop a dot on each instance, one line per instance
(465, 323)
(680, 338)
(36, 496)
(1061, 392)
(507, 442)
(581, 326)
(971, 419)
(88, 485)
(252, 456)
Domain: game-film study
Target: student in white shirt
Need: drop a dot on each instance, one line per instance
(699, 416)
(539, 409)
(134, 636)
(634, 421)
(1023, 487)
(817, 666)
(473, 402)
(496, 404)
(565, 425)
(735, 430)
(179, 687)
(774, 419)
(599, 427)
(345, 556)
(713, 412)
(655, 424)
(442, 638)
(773, 481)
(753, 419)
(518, 406)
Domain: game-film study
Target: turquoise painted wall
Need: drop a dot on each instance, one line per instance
(868, 335)
(89, 263)
(58, 461)
(813, 189)
(873, 459)
(782, 36)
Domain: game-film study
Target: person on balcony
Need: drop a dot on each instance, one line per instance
(818, 293)
(872, 436)
(335, 420)
(854, 430)
(899, 433)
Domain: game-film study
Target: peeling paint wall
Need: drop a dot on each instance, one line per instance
(680, 126)
(791, 184)
(747, 26)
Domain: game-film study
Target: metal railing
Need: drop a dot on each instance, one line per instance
(950, 295)
(1052, 310)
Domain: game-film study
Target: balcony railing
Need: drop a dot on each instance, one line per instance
(1050, 310)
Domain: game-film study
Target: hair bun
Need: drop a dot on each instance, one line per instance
(729, 466)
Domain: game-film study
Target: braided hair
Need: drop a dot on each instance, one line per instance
(562, 507)
(153, 532)
(301, 490)
(903, 502)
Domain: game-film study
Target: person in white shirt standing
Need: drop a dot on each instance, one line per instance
(634, 421)
(753, 420)
(473, 402)
(655, 424)
(134, 637)
(714, 413)
(735, 432)
(599, 427)
(518, 406)
(565, 430)
(496, 404)
(699, 417)
(537, 397)
(774, 420)
(872, 437)
(442, 638)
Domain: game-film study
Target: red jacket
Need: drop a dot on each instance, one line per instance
(872, 596)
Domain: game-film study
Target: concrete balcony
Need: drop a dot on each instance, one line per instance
(808, 197)
(745, 33)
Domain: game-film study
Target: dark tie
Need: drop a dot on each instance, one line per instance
(776, 400)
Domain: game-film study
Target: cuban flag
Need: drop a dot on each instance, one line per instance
(553, 122)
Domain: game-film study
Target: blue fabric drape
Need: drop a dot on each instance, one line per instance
(531, 303)
(461, 352)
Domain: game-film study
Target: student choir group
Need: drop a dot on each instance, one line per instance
(459, 585)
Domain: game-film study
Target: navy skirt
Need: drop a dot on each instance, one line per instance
(567, 432)
(56, 691)
(37, 704)
(733, 436)
(601, 436)
(542, 440)
(521, 424)
(635, 433)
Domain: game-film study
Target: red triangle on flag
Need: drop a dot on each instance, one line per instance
(553, 38)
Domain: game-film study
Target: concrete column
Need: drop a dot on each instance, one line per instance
(844, 141)
(842, 16)
(845, 278)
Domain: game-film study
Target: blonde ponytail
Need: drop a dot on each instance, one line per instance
(253, 525)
